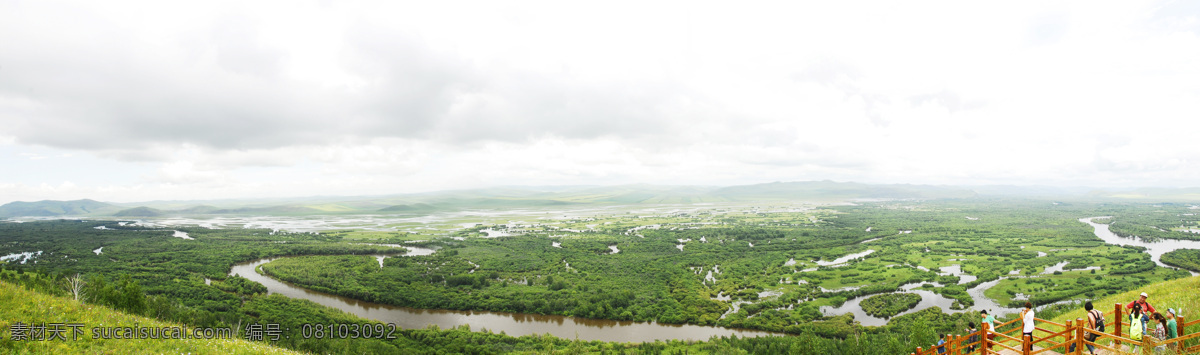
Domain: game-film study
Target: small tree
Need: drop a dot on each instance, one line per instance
(75, 285)
(131, 298)
(921, 335)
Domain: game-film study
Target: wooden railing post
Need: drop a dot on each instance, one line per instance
(1179, 325)
(919, 352)
(1026, 343)
(982, 346)
(1071, 336)
(984, 340)
(1079, 336)
(1117, 324)
(1147, 344)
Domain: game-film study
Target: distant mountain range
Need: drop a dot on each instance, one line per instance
(533, 197)
(56, 208)
(829, 190)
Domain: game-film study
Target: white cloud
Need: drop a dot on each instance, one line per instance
(186, 172)
(283, 98)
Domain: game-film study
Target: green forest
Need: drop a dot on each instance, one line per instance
(1183, 258)
(1154, 225)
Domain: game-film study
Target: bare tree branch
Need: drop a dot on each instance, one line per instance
(75, 286)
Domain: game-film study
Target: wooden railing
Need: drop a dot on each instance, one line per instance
(1071, 338)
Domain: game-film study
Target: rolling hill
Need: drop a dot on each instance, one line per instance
(50, 208)
(830, 190)
(139, 212)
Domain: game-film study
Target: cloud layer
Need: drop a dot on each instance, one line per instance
(226, 99)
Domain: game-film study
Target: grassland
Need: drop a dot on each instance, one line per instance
(366, 235)
(1179, 294)
(20, 305)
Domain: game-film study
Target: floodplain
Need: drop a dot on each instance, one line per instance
(745, 269)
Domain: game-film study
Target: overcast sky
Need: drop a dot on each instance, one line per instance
(144, 101)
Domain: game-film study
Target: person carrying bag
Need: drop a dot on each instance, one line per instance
(1096, 323)
(1137, 329)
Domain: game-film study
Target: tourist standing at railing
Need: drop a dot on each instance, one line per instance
(941, 343)
(1137, 328)
(1172, 329)
(1146, 307)
(990, 321)
(974, 338)
(1027, 325)
(1095, 322)
(1160, 331)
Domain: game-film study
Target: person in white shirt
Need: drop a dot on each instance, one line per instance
(1027, 324)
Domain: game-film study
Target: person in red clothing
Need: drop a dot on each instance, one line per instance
(1146, 307)
(1142, 300)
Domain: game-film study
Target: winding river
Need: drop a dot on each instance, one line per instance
(514, 324)
(930, 299)
(1156, 249)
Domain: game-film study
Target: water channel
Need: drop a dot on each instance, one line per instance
(514, 324)
(1156, 249)
(845, 259)
(930, 299)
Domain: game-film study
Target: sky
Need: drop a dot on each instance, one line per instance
(137, 101)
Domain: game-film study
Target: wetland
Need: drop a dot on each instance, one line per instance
(633, 273)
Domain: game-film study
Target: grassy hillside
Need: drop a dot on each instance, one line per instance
(1177, 294)
(20, 305)
(416, 207)
(139, 212)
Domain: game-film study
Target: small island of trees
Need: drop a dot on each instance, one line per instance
(889, 304)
